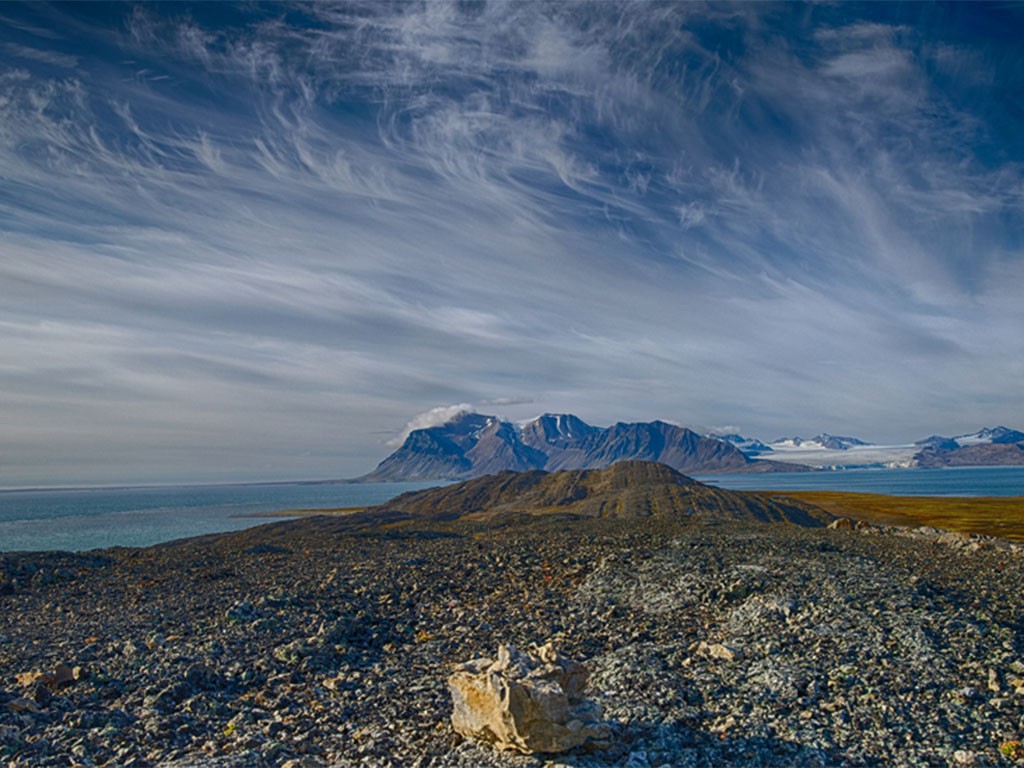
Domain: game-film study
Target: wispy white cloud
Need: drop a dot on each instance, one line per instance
(435, 417)
(341, 214)
(55, 58)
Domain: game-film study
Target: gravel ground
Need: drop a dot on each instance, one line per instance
(315, 643)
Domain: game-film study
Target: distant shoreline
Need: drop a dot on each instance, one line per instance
(304, 512)
(169, 486)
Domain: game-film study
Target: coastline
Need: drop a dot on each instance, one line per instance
(303, 512)
(91, 519)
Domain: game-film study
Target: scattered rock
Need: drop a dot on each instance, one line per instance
(720, 651)
(21, 704)
(856, 650)
(63, 675)
(30, 679)
(528, 701)
(242, 611)
(302, 762)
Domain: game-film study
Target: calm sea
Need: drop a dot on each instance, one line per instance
(88, 519)
(84, 519)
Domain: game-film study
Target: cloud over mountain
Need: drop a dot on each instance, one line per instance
(435, 417)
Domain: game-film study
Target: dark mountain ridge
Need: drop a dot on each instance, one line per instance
(989, 447)
(473, 445)
(981, 455)
(624, 490)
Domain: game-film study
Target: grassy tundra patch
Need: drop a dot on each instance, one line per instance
(990, 515)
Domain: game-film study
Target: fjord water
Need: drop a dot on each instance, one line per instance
(954, 481)
(82, 519)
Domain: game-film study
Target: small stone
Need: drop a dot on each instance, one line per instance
(63, 674)
(21, 704)
(30, 679)
(41, 694)
(199, 675)
(993, 681)
(243, 612)
(720, 651)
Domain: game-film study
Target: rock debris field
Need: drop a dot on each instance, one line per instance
(328, 642)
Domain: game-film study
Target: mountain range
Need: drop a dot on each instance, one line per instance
(998, 446)
(473, 445)
(993, 446)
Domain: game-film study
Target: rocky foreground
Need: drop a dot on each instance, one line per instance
(328, 641)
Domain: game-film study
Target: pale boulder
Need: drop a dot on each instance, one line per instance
(842, 524)
(525, 701)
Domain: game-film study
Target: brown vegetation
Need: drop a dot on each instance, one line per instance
(991, 516)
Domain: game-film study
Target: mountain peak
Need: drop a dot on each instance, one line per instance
(750, 446)
(821, 441)
(473, 444)
(560, 425)
(999, 435)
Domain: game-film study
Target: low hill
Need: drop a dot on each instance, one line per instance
(625, 490)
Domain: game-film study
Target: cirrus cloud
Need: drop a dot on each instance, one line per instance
(239, 241)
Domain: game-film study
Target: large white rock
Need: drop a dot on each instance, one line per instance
(526, 701)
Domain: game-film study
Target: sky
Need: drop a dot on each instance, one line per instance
(256, 241)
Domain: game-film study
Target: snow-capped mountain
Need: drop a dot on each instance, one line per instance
(992, 446)
(988, 447)
(824, 441)
(471, 445)
(996, 435)
(750, 446)
(938, 443)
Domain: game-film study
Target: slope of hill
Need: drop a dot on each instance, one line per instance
(625, 490)
(472, 445)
